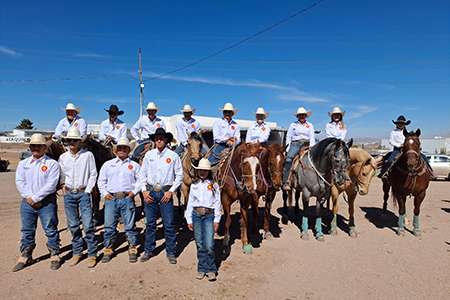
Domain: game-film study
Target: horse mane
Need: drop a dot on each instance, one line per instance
(318, 149)
(195, 136)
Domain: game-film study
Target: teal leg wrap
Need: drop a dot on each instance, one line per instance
(247, 248)
(416, 223)
(333, 223)
(304, 226)
(401, 222)
(351, 222)
(318, 227)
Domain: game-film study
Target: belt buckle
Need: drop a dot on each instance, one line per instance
(201, 211)
(120, 195)
(157, 188)
(74, 191)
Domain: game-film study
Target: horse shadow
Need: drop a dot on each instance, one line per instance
(373, 214)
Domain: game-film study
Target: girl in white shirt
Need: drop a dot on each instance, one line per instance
(336, 128)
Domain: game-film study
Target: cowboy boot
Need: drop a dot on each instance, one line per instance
(25, 259)
(108, 252)
(55, 260)
(132, 251)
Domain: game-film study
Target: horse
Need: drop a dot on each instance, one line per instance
(321, 166)
(361, 169)
(55, 149)
(271, 170)
(237, 177)
(408, 176)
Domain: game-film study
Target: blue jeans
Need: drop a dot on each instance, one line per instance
(215, 155)
(181, 148)
(204, 240)
(115, 208)
(136, 154)
(394, 153)
(49, 220)
(73, 205)
(292, 153)
(167, 214)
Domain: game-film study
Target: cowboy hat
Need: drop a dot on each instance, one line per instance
(337, 110)
(71, 106)
(402, 119)
(161, 131)
(38, 139)
(203, 164)
(261, 111)
(113, 108)
(152, 105)
(187, 108)
(123, 141)
(229, 106)
(301, 110)
(73, 133)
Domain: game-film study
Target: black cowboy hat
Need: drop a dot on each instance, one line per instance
(115, 109)
(401, 119)
(161, 131)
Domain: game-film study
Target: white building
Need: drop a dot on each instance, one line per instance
(437, 145)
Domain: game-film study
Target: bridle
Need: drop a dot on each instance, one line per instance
(418, 164)
(263, 179)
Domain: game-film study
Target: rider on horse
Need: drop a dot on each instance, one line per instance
(336, 127)
(112, 129)
(259, 131)
(186, 124)
(72, 120)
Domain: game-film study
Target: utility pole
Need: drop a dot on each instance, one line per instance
(141, 84)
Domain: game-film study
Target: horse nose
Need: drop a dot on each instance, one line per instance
(362, 193)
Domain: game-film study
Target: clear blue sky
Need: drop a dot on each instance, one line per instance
(374, 59)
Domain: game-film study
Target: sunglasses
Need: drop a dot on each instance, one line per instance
(112, 113)
(227, 112)
(72, 140)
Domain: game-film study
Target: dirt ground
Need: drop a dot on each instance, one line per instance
(376, 265)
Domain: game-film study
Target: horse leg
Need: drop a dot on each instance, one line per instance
(401, 200)
(297, 197)
(318, 227)
(267, 234)
(255, 211)
(417, 202)
(226, 212)
(386, 188)
(185, 190)
(284, 218)
(334, 192)
(244, 223)
(95, 199)
(305, 199)
(351, 212)
(178, 192)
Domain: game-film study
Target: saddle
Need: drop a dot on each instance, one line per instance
(294, 168)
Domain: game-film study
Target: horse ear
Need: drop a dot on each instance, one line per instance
(418, 132)
(188, 133)
(350, 143)
(405, 132)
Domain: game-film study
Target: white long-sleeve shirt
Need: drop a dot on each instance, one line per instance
(37, 178)
(147, 127)
(78, 171)
(119, 176)
(201, 195)
(258, 132)
(162, 168)
(298, 131)
(396, 138)
(117, 130)
(336, 130)
(182, 125)
(222, 130)
(64, 125)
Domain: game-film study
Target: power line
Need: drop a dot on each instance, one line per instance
(67, 79)
(238, 43)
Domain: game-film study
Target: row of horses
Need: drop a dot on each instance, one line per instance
(331, 167)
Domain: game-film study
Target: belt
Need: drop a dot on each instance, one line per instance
(301, 141)
(223, 144)
(204, 211)
(75, 191)
(120, 195)
(158, 187)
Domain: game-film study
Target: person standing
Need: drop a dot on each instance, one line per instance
(118, 184)
(37, 179)
(203, 214)
(259, 131)
(160, 175)
(187, 123)
(78, 177)
(72, 120)
(336, 127)
(112, 129)
(226, 132)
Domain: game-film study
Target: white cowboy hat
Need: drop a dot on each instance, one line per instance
(337, 110)
(187, 108)
(39, 139)
(71, 106)
(204, 164)
(152, 105)
(261, 111)
(123, 141)
(73, 133)
(229, 106)
(301, 110)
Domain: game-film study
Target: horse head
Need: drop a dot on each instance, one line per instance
(339, 160)
(276, 164)
(361, 170)
(249, 164)
(411, 148)
(194, 147)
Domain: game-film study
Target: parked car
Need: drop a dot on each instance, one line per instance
(25, 154)
(440, 164)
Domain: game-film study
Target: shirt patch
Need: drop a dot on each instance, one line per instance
(232, 127)
(44, 168)
(130, 167)
(158, 125)
(76, 124)
(168, 160)
(209, 187)
(264, 129)
(307, 126)
(118, 127)
(340, 127)
(193, 125)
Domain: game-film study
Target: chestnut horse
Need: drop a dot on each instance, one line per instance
(55, 149)
(408, 176)
(361, 169)
(271, 166)
(237, 177)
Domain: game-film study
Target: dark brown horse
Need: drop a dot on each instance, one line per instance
(408, 176)
(270, 171)
(55, 149)
(237, 177)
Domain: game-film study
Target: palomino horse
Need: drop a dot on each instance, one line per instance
(320, 167)
(408, 176)
(361, 169)
(271, 166)
(237, 177)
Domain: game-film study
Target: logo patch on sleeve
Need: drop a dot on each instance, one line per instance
(209, 187)
(232, 127)
(168, 160)
(341, 128)
(193, 126)
(264, 129)
(130, 167)
(76, 124)
(158, 125)
(44, 168)
(118, 127)
(307, 126)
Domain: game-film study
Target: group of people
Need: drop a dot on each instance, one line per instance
(120, 179)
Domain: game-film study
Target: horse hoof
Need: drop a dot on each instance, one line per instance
(333, 232)
(305, 237)
(417, 233)
(226, 250)
(353, 234)
(248, 249)
(383, 217)
(284, 219)
(268, 236)
(401, 232)
(320, 238)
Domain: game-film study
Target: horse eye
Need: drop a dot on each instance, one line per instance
(364, 174)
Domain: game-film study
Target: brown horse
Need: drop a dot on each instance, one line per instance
(408, 176)
(237, 176)
(55, 149)
(361, 169)
(271, 173)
